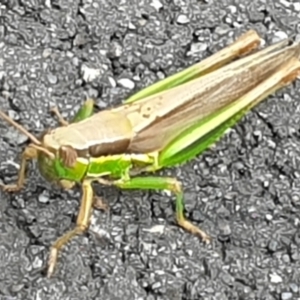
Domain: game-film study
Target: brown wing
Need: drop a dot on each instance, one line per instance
(158, 119)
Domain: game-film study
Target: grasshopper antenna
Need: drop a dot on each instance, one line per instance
(20, 128)
(36, 143)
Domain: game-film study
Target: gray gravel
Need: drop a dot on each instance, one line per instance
(245, 191)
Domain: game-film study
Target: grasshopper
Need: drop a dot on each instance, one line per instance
(166, 124)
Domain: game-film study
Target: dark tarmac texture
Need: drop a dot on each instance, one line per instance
(245, 191)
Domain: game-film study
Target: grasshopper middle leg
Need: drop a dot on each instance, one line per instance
(85, 111)
(59, 116)
(163, 183)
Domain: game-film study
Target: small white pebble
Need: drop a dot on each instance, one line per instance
(183, 19)
(112, 81)
(156, 229)
(297, 6)
(89, 74)
(275, 278)
(279, 36)
(126, 83)
(198, 47)
(156, 4)
(269, 217)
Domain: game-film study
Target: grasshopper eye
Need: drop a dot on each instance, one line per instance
(68, 156)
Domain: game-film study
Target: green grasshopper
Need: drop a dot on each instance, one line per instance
(166, 124)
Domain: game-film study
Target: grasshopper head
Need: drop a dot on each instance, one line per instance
(48, 168)
(48, 164)
(46, 157)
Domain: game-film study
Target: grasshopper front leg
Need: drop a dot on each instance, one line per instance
(162, 183)
(28, 154)
(82, 224)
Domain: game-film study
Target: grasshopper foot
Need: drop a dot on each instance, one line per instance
(194, 230)
(60, 242)
(12, 188)
(98, 203)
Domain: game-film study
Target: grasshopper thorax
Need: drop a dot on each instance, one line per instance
(46, 157)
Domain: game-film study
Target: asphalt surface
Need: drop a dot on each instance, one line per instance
(245, 191)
